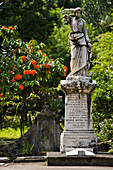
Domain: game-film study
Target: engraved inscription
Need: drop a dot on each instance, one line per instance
(76, 116)
(79, 141)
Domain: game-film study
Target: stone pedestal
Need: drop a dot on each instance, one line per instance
(78, 131)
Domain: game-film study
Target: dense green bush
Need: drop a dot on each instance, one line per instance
(35, 18)
(59, 44)
(105, 132)
(103, 94)
(96, 11)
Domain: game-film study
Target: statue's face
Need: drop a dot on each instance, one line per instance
(77, 14)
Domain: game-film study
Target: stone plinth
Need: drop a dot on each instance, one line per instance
(78, 131)
(60, 159)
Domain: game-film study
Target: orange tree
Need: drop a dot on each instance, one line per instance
(26, 73)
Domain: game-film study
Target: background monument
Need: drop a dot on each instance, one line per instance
(78, 86)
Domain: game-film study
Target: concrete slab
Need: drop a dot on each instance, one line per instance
(4, 159)
(42, 166)
(30, 159)
(59, 159)
(1, 164)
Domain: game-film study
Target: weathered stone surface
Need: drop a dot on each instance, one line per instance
(78, 131)
(47, 136)
(78, 139)
(44, 135)
(77, 116)
(81, 52)
(78, 84)
(60, 159)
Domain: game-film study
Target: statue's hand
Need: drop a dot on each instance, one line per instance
(89, 45)
(64, 16)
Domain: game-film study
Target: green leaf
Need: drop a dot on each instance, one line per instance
(31, 83)
(37, 83)
(14, 56)
(27, 84)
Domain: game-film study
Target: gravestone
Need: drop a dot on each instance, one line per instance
(47, 132)
(78, 131)
(44, 135)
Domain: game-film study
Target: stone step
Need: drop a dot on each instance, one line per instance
(3, 160)
(30, 159)
(60, 159)
(23, 159)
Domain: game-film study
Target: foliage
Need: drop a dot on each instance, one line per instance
(96, 11)
(11, 129)
(27, 149)
(92, 32)
(110, 151)
(26, 72)
(59, 44)
(11, 133)
(69, 3)
(35, 18)
(29, 66)
(105, 135)
(56, 103)
(103, 74)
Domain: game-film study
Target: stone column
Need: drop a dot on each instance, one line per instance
(78, 131)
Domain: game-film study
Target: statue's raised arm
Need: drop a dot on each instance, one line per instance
(80, 44)
(67, 18)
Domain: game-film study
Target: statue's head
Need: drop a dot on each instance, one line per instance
(77, 12)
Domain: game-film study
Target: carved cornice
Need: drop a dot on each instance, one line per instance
(78, 84)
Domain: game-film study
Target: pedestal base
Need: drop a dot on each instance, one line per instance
(78, 139)
(60, 159)
(78, 131)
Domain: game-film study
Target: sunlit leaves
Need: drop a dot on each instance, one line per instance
(103, 74)
(17, 59)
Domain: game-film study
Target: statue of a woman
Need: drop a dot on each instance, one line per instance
(80, 44)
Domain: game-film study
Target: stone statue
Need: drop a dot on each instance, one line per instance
(78, 132)
(80, 44)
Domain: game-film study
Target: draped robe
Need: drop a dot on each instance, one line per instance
(80, 53)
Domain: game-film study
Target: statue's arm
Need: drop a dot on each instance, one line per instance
(67, 18)
(86, 35)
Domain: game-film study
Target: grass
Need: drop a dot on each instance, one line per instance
(110, 151)
(11, 130)
(10, 134)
